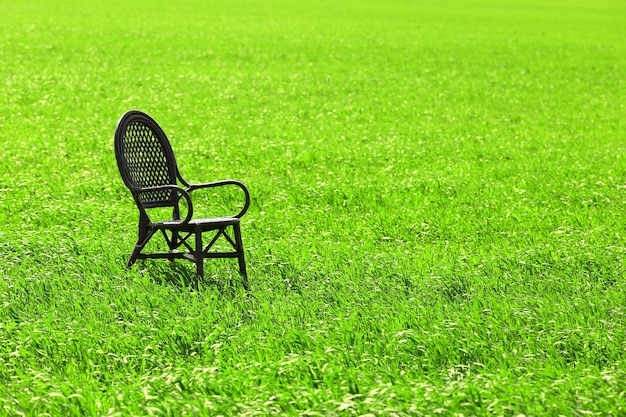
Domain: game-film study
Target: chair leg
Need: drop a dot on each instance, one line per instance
(241, 256)
(199, 255)
(143, 236)
(174, 242)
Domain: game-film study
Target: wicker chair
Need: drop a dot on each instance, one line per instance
(148, 167)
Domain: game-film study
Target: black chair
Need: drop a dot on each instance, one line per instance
(148, 167)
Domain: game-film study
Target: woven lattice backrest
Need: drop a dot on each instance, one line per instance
(145, 158)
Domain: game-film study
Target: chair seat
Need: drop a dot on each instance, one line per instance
(205, 224)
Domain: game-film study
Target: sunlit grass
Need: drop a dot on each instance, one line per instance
(437, 218)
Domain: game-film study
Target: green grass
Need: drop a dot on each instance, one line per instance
(437, 225)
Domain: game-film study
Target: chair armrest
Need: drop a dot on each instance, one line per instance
(193, 187)
(176, 188)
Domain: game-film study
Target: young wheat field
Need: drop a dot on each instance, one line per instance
(437, 222)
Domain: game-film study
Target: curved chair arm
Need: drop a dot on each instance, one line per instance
(193, 187)
(178, 189)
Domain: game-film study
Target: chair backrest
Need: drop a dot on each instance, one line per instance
(145, 159)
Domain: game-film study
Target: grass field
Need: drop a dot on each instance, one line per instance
(437, 225)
